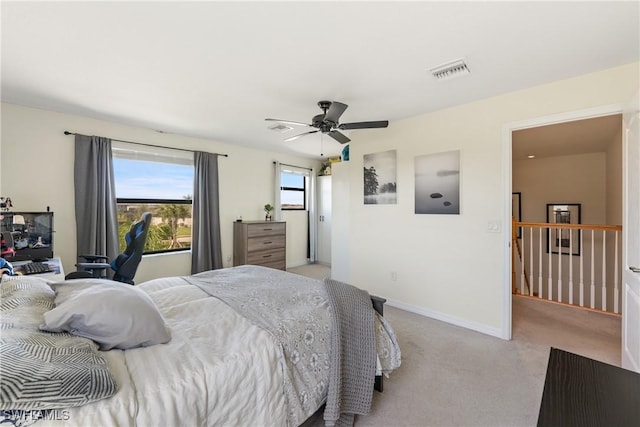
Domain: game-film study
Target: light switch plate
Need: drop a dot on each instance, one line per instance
(494, 226)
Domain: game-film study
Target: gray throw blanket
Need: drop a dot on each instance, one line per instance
(352, 357)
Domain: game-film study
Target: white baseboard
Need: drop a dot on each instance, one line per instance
(478, 327)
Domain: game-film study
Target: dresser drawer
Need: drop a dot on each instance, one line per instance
(267, 256)
(259, 230)
(265, 242)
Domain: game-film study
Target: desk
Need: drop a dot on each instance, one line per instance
(56, 275)
(579, 391)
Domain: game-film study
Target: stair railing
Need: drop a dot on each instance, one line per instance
(575, 264)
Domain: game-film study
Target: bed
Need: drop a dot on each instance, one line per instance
(246, 345)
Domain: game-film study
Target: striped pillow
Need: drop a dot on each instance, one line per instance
(44, 370)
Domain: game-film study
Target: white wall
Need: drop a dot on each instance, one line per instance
(37, 171)
(449, 266)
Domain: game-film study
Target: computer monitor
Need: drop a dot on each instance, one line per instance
(32, 235)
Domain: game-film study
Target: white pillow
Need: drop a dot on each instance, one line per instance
(113, 314)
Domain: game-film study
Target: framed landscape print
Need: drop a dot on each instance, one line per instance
(380, 175)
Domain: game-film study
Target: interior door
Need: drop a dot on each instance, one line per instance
(631, 239)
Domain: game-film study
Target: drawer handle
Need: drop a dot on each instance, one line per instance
(266, 256)
(267, 229)
(267, 243)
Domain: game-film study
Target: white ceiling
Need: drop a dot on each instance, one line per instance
(216, 70)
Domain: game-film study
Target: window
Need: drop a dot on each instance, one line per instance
(156, 180)
(293, 190)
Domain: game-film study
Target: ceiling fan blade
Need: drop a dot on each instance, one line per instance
(298, 136)
(364, 125)
(288, 122)
(340, 137)
(335, 111)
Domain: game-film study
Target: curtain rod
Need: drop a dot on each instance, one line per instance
(66, 132)
(294, 166)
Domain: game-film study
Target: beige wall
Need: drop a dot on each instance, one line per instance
(574, 179)
(565, 179)
(450, 266)
(37, 171)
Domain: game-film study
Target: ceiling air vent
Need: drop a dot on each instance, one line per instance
(450, 70)
(279, 127)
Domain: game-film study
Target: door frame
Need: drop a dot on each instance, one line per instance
(507, 130)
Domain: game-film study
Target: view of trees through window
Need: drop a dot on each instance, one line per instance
(154, 180)
(171, 223)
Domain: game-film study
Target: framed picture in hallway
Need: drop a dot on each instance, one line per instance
(565, 241)
(516, 211)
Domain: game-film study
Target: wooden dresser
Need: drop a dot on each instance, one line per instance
(260, 243)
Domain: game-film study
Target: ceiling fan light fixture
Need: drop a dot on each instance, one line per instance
(279, 127)
(450, 70)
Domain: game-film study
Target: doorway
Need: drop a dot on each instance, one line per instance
(564, 122)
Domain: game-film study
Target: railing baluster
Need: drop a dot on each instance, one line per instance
(522, 258)
(530, 260)
(559, 240)
(550, 284)
(522, 275)
(570, 258)
(540, 263)
(593, 272)
(604, 270)
(615, 278)
(581, 237)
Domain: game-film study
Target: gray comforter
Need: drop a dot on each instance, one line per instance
(325, 330)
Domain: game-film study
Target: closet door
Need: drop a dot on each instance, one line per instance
(324, 220)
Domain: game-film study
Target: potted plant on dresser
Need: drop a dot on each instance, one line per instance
(268, 208)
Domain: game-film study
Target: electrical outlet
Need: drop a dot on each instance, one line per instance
(229, 258)
(394, 276)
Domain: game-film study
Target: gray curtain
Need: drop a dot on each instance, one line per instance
(206, 249)
(95, 197)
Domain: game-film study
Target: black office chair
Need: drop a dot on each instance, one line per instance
(124, 265)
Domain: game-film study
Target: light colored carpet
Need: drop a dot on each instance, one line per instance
(451, 376)
(317, 271)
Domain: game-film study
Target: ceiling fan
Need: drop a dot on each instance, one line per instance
(327, 122)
